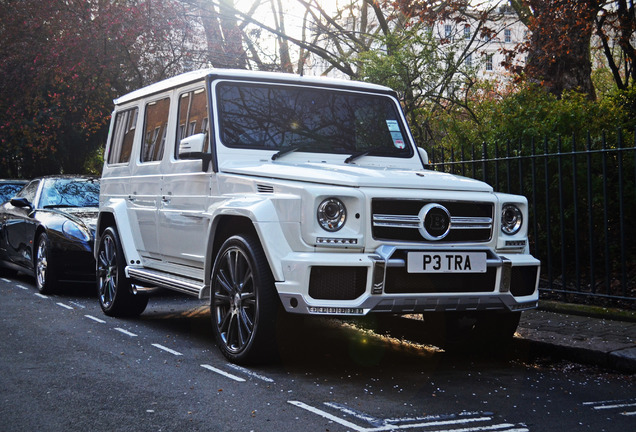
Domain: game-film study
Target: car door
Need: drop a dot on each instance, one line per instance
(145, 182)
(17, 224)
(183, 226)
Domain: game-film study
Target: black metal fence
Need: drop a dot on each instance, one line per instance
(582, 198)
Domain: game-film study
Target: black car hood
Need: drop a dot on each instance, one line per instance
(86, 216)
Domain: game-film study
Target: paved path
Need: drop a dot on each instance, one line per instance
(603, 342)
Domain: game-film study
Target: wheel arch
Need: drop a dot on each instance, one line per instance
(115, 214)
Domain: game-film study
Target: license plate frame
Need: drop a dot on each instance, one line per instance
(446, 262)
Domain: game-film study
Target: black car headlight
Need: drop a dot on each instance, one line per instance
(74, 231)
(332, 214)
(511, 219)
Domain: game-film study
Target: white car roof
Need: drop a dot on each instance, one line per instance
(197, 75)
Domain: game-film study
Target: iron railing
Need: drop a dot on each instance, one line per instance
(582, 198)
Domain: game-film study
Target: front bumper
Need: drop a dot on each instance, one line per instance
(357, 284)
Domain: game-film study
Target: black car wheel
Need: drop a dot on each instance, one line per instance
(45, 272)
(244, 303)
(114, 290)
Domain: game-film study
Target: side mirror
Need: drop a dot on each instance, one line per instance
(423, 155)
(192, 147)
(21, 202)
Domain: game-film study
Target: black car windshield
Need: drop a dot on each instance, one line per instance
(309, 119)
(70, 192)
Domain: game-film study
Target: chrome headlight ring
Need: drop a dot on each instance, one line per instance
(511, 219)
(332, 214)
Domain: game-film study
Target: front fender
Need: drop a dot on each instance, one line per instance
(114, 212)
(265, 216)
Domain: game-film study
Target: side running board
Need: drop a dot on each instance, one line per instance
(165, 280)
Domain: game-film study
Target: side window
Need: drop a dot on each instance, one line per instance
(193, 116)
(29, 191)
(155, 130)
(123, 134)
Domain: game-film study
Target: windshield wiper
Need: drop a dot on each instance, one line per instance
(291, 149)
(59, 205)
(369, 150)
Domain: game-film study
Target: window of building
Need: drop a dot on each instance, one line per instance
(489, 63)
(467, 32)
(448, 31)
(507, 35)
(469, 60)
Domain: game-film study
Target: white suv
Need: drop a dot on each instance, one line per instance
(270, 192)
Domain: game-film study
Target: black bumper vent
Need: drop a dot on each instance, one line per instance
(337, 283)
(523, 280)
(398, 281)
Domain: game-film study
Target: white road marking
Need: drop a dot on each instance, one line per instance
(79, 305)
(171, 351)
(22, 287)
(41, 295)
(64, 306)
(328, 416)
(6, 280)
(250, 373)
(95, 319)
(126, 332)
(221, 372)
(432, 421)
(630, 413)
(623, 405)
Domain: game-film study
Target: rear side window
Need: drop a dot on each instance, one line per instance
(155, 130)
(193, 116)
(123, 135)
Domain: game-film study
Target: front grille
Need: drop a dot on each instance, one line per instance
(398, 220)
(337, 283)
(398, 281)
(523, 280)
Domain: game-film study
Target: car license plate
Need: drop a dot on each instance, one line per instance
(446, 262)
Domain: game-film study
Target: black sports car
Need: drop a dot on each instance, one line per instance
(48, 230)
(8, 188)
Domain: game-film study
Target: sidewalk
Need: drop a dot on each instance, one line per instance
(600, 341)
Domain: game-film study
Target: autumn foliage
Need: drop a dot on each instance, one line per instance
(62, 62)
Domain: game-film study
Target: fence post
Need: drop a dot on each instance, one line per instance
(621, 214)
(561, 214)
(548, 228)
(590, 215)
(575, 198)
(484, 156)
(605, 213)
(534, 198)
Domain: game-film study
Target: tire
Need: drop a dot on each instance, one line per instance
(244, 304)
(114, 289)
(46, 278)
(461, 331)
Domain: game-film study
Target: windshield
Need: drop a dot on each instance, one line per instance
(276, 117)
(70, 192)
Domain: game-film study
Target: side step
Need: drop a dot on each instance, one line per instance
(166, 280)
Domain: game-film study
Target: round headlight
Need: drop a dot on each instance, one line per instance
(511, 219)
(332, 214)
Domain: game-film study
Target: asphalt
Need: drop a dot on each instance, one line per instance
(604, 340)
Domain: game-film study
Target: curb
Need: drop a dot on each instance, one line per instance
(623, 361)
(587, 310)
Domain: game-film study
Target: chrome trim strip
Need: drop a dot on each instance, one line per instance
(406, 221)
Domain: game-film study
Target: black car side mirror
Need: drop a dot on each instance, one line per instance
(21, 202)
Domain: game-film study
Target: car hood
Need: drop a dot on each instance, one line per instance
(86, 216)
(357, 176)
